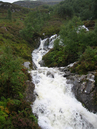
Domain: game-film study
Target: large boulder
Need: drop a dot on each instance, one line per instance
(29, 92)
(83, 88)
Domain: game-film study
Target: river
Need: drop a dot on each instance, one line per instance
(56, 106)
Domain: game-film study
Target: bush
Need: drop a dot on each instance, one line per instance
(21, 114)
(27, 32)
(21, 122)
(64, 10)
(17, 114)
(12, 79)
(87, 61)
(15, 105)
(90, 54)
(33, 24)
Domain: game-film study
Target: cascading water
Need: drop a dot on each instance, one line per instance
(55, 104)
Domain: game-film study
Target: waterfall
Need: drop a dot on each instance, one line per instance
(55, 106)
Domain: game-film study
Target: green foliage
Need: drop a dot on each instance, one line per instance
(64, 10)
(56, 44)
(95, 8)
(33, 118)
(4, 112)
(55, 57)
(2, 118)
(27, 32)
(86, 14)
(22, 116)
(67, 53)
(5, 122)
(9, 14)
(19, 115)
(69, 31)
(87, 61)
(83, 9)
(75, 38)
(19, 122)
(18, 106)
(12, 79)
(34, 23)
(73, 47)
(89, 55)
(52, 27)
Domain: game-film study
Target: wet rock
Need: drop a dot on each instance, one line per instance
(50, 74)
(37, 41)
(29, 93)
(83, 88)
(52, 37)
(67, 73)
(41, 63)
(26, 64)
(46, 43)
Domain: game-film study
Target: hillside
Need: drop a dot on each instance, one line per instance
(33, 4)
(16, 10)
(29, 4)
(51, 0)
(11, 23)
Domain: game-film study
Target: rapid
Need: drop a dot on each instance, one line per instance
(56, 106)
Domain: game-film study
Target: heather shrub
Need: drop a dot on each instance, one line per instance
(21, 122)
(23, 117)
(87, 61)
(5, 120)
(16, 114)
(15, 105)
(90, 54)
(12, 78)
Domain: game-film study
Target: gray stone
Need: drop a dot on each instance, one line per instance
(41, 63)
(26, 64)
(29, 92)
(83, 89)
(46, 43)
(50, 74)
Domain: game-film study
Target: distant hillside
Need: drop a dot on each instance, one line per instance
(29, 4)
(4, 6)
(50, 0)
(33, 4)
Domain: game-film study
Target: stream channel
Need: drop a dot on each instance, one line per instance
(55, 105)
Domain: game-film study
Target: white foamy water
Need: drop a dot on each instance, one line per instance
(55, 104)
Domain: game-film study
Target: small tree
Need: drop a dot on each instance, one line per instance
(9, 14)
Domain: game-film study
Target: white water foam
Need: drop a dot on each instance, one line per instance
(55, 104)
